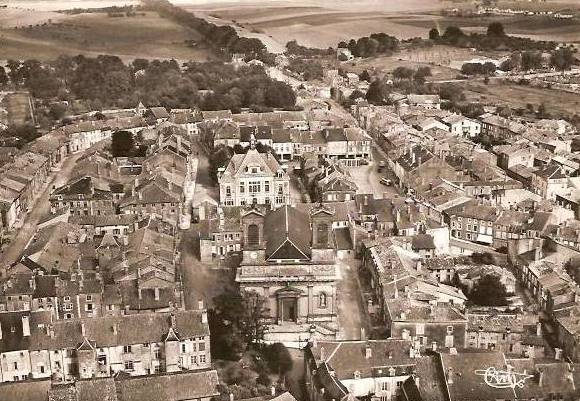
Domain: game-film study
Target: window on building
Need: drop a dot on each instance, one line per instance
(202, 359)
(129, 365)
(267, 187)
(156, 354)
(228, 191)
(183, 348)
(127, 349)
(322, 234)
(449, 329)
(253, 235)
(202, 346)
(254, 187)
(242, 188)
(15, 365)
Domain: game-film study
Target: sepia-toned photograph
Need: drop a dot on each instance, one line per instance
(289, 200)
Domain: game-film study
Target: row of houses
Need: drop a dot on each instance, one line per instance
(97, 296)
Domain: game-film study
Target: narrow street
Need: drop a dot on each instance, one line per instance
(200, 282)
(38, 210)
(205, 190)
(351, 313)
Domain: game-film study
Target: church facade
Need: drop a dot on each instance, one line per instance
(289, 259)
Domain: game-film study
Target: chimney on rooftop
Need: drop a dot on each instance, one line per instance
(115, 330)
(26, 326)
(156, 293)
(83, 330)
(558, 354)
(450, 376)
(368, 351)
(322, 354)
(538, 329)
(0, 331)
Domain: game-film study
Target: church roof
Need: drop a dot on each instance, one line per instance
(287, 234)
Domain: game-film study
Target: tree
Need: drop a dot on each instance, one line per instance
(278, 358)
(15, 72)
(488, 291)
(219, 158)
(236, 321)
(542, 111)
(562, 59)
(23, 133)
(123, 144)
(377, 92)
(434, 34)
(495, 29)
(403, 73)
(531, 60)
(421, 74)
(365, 76)
(57, 111)
(3, 76)
(453, 34)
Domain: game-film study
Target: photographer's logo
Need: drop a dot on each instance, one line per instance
(503, 378)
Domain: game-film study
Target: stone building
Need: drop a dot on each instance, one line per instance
(254, 178)
(33, 347)
(288, 257)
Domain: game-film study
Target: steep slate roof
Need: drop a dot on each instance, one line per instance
(466, 384)
(287, 233)
(169, 387)
(131, 329)
(423, 241)
(413, 159)
(35, 390)
(239, 162)
(551, 172)
(346, 357)
(259, 132)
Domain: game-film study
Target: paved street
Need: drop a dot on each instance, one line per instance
(368, 178)
(205, 190)
(199, 280)
(351, 315)
(38, 210)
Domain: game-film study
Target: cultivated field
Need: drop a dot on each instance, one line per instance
(145, 36)
(322, 23)
(316, 23)
(517, 96)
(18, 107)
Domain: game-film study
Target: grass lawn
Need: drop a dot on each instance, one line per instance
(142, 36)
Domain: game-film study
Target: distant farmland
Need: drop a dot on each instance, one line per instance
(145, 35)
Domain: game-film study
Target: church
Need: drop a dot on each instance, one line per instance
(289, 258)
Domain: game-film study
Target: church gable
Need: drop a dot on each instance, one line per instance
(287, 251)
